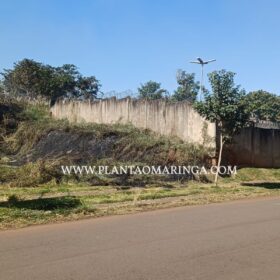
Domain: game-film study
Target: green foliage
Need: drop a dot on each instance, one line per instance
(188, 88)
(263, 105)
(33, 79)
(38, 113)
(151, 90)
(225, 105)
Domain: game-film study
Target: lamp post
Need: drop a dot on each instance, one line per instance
(202, 63)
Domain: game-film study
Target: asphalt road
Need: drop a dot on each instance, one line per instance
(238, 240)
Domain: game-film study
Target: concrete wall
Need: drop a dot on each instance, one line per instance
(255, 147)
(173, 119)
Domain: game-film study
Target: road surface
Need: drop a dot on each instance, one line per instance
(237, 240)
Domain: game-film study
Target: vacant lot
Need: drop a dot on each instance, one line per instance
(34, 191)
(51, 202)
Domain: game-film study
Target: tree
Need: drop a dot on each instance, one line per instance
(87, 87)
(34, 79)
(188, 88)
(22, 80)
(263, 105)
(151, 90)
(225, 106)
(1, 87)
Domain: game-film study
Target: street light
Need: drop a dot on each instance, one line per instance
(202, 63)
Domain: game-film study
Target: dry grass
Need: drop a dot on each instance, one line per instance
(36, 193)
(50, 202)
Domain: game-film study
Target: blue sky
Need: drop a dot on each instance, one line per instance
(128, 42)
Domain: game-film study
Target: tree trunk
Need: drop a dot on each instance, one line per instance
(220, 158)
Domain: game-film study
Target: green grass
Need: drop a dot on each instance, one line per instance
(50, 202)
(258, 174)
(37, 193)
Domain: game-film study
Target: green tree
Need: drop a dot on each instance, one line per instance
(151, 90)
(87, 87)
(23, 78)
(188, 88)
(34, 79)
(263, 105)
(225, 106)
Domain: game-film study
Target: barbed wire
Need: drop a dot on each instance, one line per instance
(117, 94)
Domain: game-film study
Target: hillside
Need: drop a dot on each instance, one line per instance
(34, 190)
(30, 136)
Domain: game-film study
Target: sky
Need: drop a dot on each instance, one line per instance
(128, 42)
